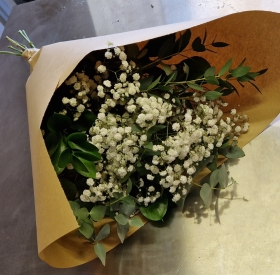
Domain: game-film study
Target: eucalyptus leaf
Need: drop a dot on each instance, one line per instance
(206, 194)
(81, 213)
(122, 231)
(214, 178)
(86, 228)
(121, 219)
(74, 205)
(135, 221)
(128, 186)
(98, 212)
(103, 233)
(223, 176)
(127, 209)
(234, 152)
(100, 252)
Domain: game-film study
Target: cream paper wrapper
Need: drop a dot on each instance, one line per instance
(250, 34)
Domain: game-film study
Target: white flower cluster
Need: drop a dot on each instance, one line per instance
(192, 137)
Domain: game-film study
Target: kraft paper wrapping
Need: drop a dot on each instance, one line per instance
(250, 34)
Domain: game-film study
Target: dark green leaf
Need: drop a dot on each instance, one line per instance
(225, 68)
(219, 44)
(164, 88)
(58, 122)
(155, 211)
(171, 78)
(166, 68)
(212, 80)
(153, 130)
(210, 72)
(197, 45)
(77, 138)
(100, 252)
(103, 233)
(136, 128)
(84, 167)
(212, 95)
(52, 141)
(98, 212)
(84, 147)
(69, 188)
(64, 158)
(85, 121)
(94, 156)
(154, 84)
(121, 219)
(206, 194)
(122, 231)
(145, 83)
(135, 221)
(126, 177)
(59, 158)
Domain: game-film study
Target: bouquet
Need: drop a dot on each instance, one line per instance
(133, 128)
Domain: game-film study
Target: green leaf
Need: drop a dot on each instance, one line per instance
(153, 130)
(212, 95)
(154, 84)
(206, 194)
(94, 156)
(145, 83)
(77, 138)
(100, 252)
(196, 87)
(135, 221)
(155, 211)
(148, 145)
(81, 213)
(171, 78)
(74, 205)
(186, 70)
(58, 122)
(98, 212)
(60, 158)
(84, 147)
(86, 228)
(219, 44)
(126, 177)
(214, 179)
(164, 88)
(217, 206)
(203, 163)
(85, 121)
(122, 231)
(84, 167)
(69, 188)
(136, 128)
(198, 46)
(240, 71)
(121, 219)
(234, 152)
(225, 68)
(127, 209)
(52, 141)
(129, 186)
(103, 233)
(223, 176)
(210, 72)
(212, 80)
(166, 68)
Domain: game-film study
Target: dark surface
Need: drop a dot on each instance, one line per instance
(46, 22)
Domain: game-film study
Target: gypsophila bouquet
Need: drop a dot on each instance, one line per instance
(132, 127)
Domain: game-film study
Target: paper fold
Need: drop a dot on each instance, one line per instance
(250, 34)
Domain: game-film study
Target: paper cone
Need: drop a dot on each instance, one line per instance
(250, 34)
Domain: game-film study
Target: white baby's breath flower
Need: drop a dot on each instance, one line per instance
(73, 102)
(65, 100)
(80, 108)
(101, 69)
(107, 83)
(108, 55)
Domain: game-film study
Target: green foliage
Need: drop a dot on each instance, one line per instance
(206, 193)
(155, 211)
(100, 251)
